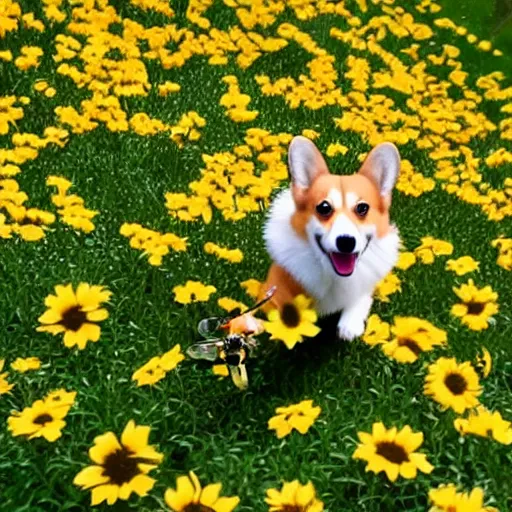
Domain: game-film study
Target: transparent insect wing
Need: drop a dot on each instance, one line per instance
(210, 327)
(205, 351)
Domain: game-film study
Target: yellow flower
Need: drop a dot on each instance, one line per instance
(445, 498)
(168, 88)
(50, 92)
(154, 244)
(60, 398)
(61, 183)
(431, 247)
(310, 134)
(299, 416)
(484, 363)
(504, 246)
(294, 497)
(230, 304)
(24, 365)
(295, 320)
(453, 385)
(484, 423)
(157, 367)
(478, 305)
(189, 496)
(231, 255)
(193, 291)
(485, 46)
(6, 55)
(411, 336)
(120, 467)
(392, 451)
(462, 265)
(252, 287)
(221, 370)
(172, 358)
(150, 373)
(30, 232)
(41, 419)
(389, 285)
(336, 149)
(41, 85)
(75, 313)
(377, 332)
(5, 387)
(406, 260)
(30, 22)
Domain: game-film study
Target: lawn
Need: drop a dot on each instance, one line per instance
(118, 117)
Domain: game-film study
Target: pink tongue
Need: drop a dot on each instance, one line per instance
(343, 263)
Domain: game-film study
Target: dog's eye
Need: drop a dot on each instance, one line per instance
(324, 209)
(362, 209)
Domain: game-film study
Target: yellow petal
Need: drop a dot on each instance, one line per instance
(125, 491)
(90, 476)
(142, 484)
(97, 316)
(408, 470)
(226, 504)
(182, 496)
(104, 445)
(52, 329)
(305, 495)
(176, 501)
(392, 471)
(51, 316)
(104, 492)
(420, 460)
(210, 494)
(72, 338)
(135, 438)
(90, 331)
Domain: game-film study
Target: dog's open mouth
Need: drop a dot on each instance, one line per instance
(343, 263)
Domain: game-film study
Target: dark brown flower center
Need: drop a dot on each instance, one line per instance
(410, 344)
(43, 419)
(120, 467)
(392, 452)
(475, 308)
(197, 507)
(456, 383)
(290, 316)
(292, 508)
(73, 318)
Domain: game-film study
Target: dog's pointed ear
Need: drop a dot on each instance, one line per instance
(382, 166)
(305, 163)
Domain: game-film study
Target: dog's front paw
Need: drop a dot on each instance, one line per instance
(350, 328)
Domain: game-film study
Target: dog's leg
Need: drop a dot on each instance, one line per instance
(352, 320)
(286, 288)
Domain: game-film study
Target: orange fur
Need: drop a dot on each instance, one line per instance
(287, 288)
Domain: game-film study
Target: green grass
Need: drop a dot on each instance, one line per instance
(197, 421)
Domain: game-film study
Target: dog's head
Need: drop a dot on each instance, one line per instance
(340, 215)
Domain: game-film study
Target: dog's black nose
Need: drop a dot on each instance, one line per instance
(345, 243)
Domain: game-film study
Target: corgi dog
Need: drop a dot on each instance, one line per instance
(330, 236)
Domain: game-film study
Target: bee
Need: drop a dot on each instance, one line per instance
(231, 340)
